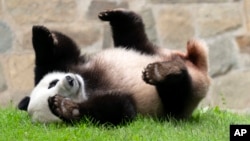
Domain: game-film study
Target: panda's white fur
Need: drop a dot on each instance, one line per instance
(38, 107)
(123, 69)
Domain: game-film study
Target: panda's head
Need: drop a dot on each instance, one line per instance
(66, 84)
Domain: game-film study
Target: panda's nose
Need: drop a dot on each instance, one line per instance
(70, 80)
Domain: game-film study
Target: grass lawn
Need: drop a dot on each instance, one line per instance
(211, 125)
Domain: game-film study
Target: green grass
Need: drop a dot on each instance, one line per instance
(212, 125)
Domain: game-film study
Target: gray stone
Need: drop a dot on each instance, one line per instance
(223, 56)
(107, 37)
(244, 60)
(20, 71)
(5, 37)
(3, 85)
(25, 40)
(187, 1)
(243, 43)
(247, 13)
(214, 19)
(97, 6)
(175, 26)
(11, 97)
(230, 91)
(36, 11)
(148, 18)
(1, 9)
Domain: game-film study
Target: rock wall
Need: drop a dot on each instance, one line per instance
(223, 24)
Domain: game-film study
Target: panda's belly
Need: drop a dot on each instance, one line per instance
(124, 74)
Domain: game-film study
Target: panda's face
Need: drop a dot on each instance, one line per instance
(66, 84)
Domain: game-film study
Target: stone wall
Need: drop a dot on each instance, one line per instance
(223, 24)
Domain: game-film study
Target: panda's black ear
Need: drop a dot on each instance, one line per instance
(23, 104)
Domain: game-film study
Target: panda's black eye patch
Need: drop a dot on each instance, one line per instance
(53, 83)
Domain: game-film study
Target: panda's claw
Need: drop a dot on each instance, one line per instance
(113, 14)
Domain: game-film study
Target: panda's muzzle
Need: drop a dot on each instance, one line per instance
(70, 80)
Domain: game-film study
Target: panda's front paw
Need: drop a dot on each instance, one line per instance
(64, 108)
(170, 71)
(114, 14)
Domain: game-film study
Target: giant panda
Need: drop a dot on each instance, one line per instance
(116, 84)
(71, 86)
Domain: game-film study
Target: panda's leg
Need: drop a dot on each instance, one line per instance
(173, 83)
(114, 108)
(128, 30)
(53, 51)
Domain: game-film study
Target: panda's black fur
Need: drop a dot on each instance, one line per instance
(168, 83)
